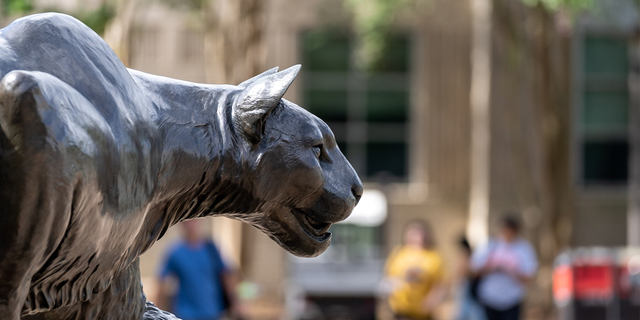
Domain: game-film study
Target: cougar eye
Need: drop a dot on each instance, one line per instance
(317, 150)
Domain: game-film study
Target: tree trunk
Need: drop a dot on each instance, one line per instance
(234, 51)
(535, 58)
(552, 93)
(234, 48)
(478, 224)
(118, 32)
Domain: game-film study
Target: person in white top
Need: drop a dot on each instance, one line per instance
(505, 265)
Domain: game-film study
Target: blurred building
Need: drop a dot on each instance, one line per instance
(602, 109)
(405, 127)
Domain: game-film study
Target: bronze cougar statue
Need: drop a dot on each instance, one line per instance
(97, 161)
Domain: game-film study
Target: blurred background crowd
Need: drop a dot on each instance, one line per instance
(453, 112)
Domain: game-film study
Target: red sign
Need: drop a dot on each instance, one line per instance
(593, 281)
(562, 284)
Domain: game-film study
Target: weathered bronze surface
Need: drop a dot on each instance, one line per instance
(97, 161)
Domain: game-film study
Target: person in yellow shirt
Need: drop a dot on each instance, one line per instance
(415, 275)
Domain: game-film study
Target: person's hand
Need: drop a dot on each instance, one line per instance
(501, 266)
(428, 305)
(512, 270)
(507, 267)
(435, 297)
(413, 275)
(238, 311)
(389, 285)
(489, 267)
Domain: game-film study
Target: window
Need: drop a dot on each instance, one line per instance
(605, 110)
(367, 111)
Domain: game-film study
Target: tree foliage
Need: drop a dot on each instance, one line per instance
(555, 5)
(97, 19)
(16, 7)
(372, 21)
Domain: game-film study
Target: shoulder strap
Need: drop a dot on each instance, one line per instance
(211, 247)
(214, 253)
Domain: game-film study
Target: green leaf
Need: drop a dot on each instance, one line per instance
(371, 22)
(97, 19)
(572, 6)
(16, 7)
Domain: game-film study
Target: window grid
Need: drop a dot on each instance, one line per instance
(367, 111)
(605, 107)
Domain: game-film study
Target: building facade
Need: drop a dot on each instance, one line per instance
(405, 127)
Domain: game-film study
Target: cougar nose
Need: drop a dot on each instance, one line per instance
(356, 190)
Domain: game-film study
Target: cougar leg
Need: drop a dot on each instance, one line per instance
(35, 197)
(122, 300)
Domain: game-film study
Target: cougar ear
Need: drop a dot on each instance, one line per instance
(266, 73)
(258, 98)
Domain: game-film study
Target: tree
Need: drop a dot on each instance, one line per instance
(553, 101)
(234, 52)
(371, 21)
(16, 7)
(480, 99)
(540, 59)
(96, 18)
(234, 45)
(118, 29)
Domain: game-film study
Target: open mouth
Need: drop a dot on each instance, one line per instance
(316, 230)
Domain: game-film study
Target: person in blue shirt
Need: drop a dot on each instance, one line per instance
(505, 265)
(205, 284)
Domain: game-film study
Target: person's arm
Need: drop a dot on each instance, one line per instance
(480, 262)
(528, 266)
(520, 275)
(436, 296)
(390, 260)
(463, 267)
(486, 268)
(162, 295)
(516, 272)
(523, 278)
(164, 288)
(389, 282)
(230, 281)
(438, 292)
